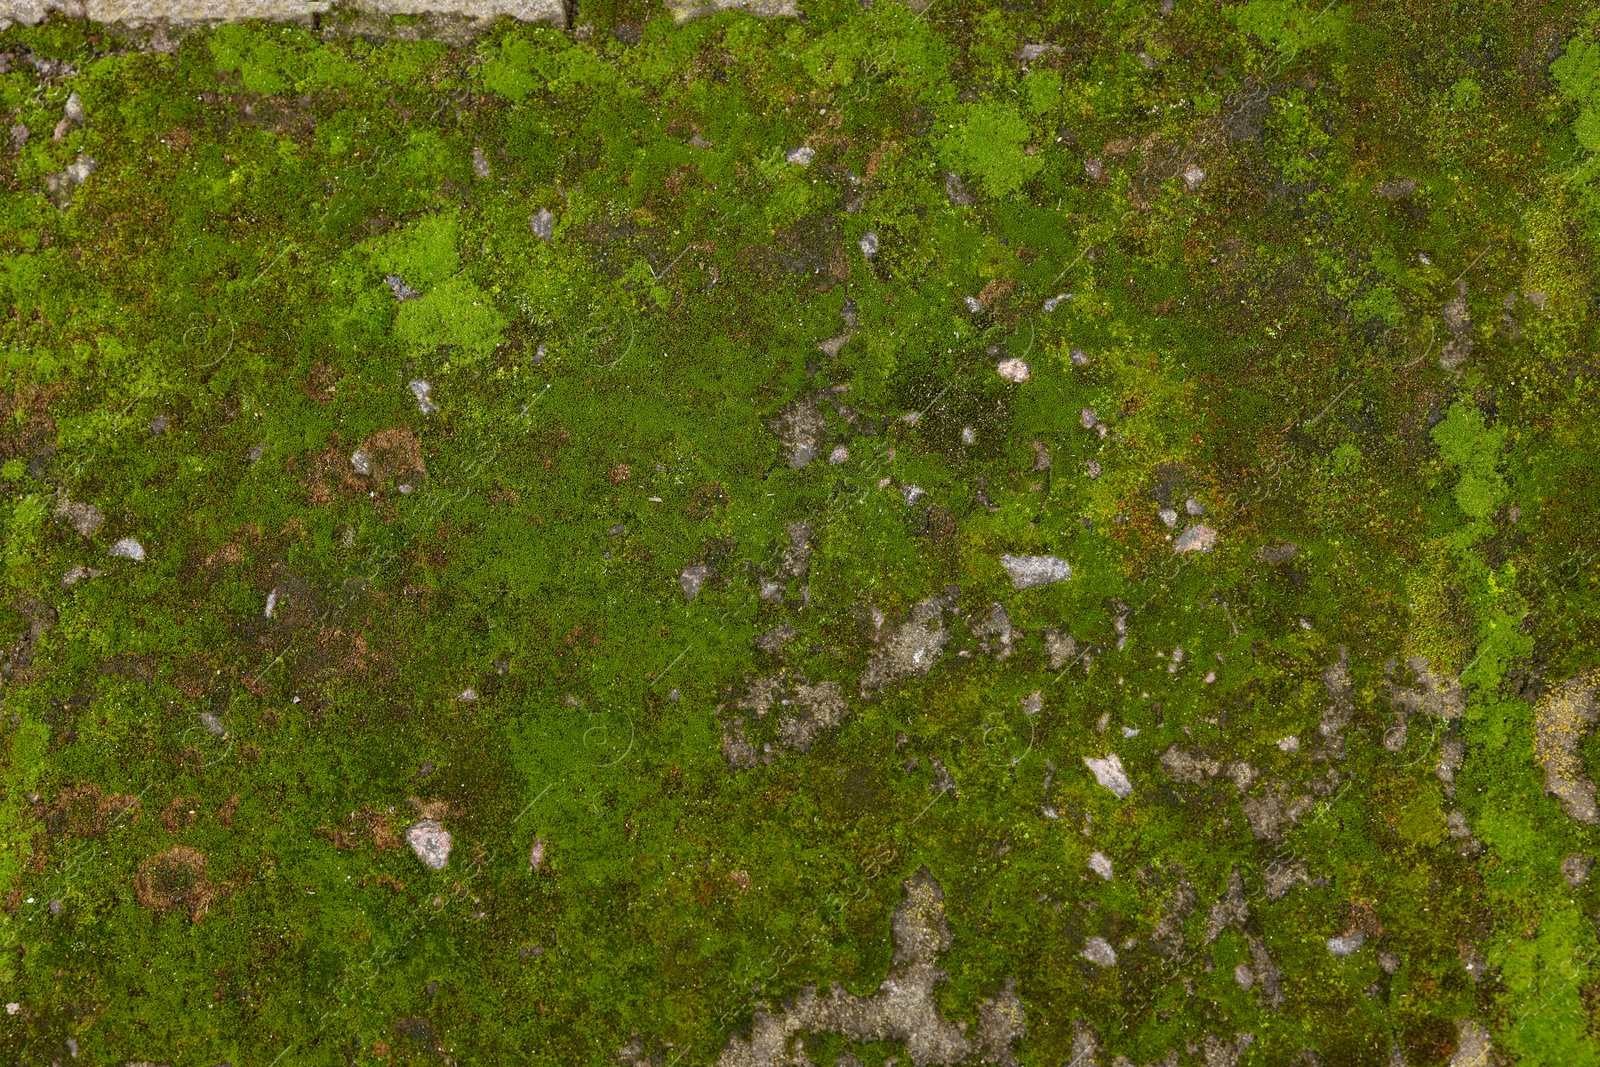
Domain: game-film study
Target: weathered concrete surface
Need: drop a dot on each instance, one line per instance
(136, 12)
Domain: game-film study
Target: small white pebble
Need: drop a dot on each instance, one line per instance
(469, 694)
(1211, 676)
(969, 436)
(1290, 744)
(802, 155)
(974, 305)
(840, 454)
(869, 244)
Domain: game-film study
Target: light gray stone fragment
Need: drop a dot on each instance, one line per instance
(431, 843)
(1346, 944)
(1108, 771)
(1028, 572)
(84, 518)
(1098, 950)
(1061, 647)
(693, 578)
(127, 548)
(1014, 370)
(543, 224)
(1199, 538)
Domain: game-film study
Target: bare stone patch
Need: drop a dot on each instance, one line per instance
(1434, 694)
(1341, 704)
(1028, 572)
(692, 578)
(811, 710)
(431, 842)
(1199, 538)
(1452, 754)
(736, 747)
(1168, 933)
(1108, 771)
(1187, 768)
(805, 712)
(1458, 321)
(913, 648)
(1560, 722)
(1346, 944)
(994, 632)
(1266, 972)
(1473, 1048)
(1278, 878)
(683, 10)
(903, 1010)
(1221, 1053)
(773, 640)
(1282, 552)
(1268, 813)
(1098, 951)
(800, 427)
(1232, 910)
(1061, 647)
(84, 518)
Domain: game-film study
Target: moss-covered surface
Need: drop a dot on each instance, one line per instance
(1331, 275)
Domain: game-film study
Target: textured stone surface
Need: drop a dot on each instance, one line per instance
(31, 12)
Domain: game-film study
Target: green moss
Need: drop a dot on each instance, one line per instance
(200, 336)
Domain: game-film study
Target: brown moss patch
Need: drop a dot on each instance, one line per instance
(175, 880)
(84, 811)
